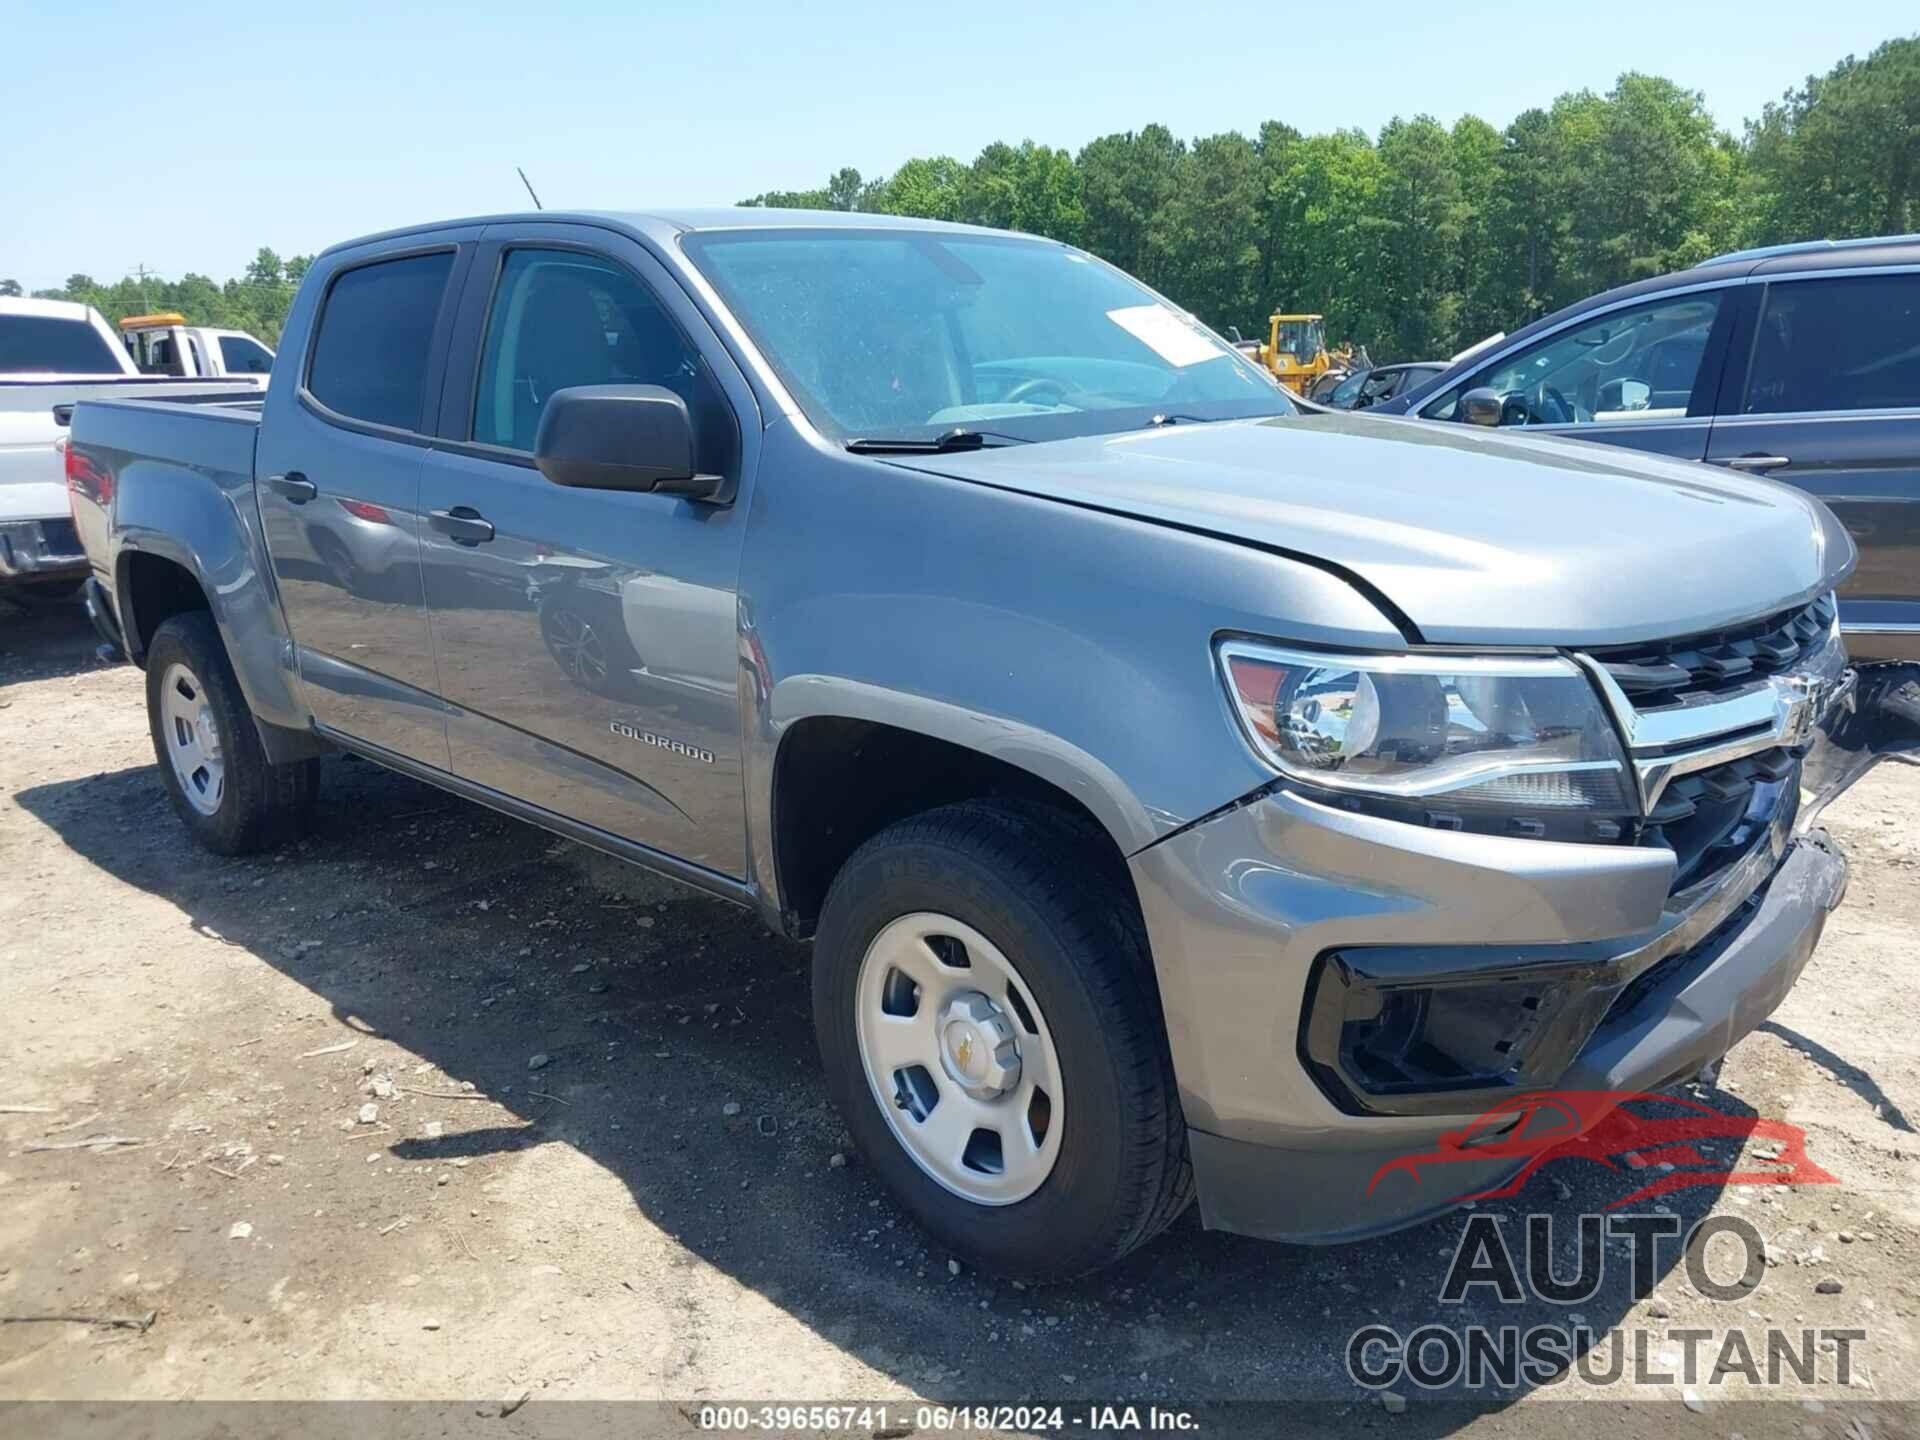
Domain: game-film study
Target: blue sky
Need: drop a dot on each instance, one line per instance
(184, 141)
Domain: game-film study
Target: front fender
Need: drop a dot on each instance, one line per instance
(1072, 644)
(1018, 742)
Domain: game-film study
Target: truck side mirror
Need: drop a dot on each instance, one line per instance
(622, 437)
(1481, 405)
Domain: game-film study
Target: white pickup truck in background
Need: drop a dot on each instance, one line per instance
(167, 345)
(53, 353)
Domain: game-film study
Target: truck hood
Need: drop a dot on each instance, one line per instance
(1472, 536)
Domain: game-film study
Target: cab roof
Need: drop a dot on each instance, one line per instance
(45, 309)
(688, 219)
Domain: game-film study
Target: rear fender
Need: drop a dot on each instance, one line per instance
(207, 524)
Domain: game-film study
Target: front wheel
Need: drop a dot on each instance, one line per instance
(988, 1020)
(224, 789)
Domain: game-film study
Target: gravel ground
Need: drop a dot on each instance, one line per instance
(432, 1105)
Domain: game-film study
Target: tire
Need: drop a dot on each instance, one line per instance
(233, 801)
(1026, 886)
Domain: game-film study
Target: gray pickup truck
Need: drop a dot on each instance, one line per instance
(1183, 795)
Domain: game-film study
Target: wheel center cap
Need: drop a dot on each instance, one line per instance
(206, 733)
(967, 1048)
(978, 1049)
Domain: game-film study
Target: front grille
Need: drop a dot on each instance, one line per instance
(1712, 817)
(1664, 969)
(1667, 674)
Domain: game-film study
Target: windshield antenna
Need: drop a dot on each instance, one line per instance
(529, 184)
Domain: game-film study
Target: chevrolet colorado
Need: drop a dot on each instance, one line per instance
(1184, 795)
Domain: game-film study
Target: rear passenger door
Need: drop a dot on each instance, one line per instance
(586, 639)
(338, 480)
(1827, 397)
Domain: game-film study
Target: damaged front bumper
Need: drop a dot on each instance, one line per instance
(1879, 719)
(1575, 956)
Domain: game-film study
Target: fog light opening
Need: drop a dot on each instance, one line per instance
(1437, 1037)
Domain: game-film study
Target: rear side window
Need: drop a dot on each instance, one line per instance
(30, 343)
(1851, 343)
(376, 335)
(242, 356)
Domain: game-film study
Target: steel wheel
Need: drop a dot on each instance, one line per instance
(959, 1058)
(192, 739)
(577, 648)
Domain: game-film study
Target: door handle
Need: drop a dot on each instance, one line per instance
(1756, 462)
(295, 486)
(464, 524)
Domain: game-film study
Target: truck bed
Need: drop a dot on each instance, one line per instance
(210, 433)
(32, 478)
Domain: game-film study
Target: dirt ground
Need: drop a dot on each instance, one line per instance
(353, 1175)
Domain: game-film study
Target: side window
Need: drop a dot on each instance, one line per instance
(1380, 387)
(1626, 365)
(1850, 343)
(375, 339)
(243, 356)
(560, 318)
(1344, 393)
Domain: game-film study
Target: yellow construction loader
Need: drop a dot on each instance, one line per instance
(1296, 351)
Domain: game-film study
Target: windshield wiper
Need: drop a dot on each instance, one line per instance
(939, 445)
(1164, 419)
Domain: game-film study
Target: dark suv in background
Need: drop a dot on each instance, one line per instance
(1797, 362)
(1373, 385)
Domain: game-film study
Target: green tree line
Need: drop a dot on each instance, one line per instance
(1425, 238)
(1416, 241)
(256, 302)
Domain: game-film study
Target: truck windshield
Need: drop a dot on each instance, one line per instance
(904, 334)
(44, 344)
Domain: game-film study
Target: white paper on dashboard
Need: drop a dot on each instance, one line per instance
(1165, 333)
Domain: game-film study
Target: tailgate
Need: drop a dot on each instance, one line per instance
(33, 482)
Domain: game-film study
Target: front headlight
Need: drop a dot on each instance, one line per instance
(1515, 745)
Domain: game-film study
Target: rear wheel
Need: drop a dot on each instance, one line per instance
(987, 1016)
(223, 787)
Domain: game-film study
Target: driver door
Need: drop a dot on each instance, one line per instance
(586, 640)
(1642, 376)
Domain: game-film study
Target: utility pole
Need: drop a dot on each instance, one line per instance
(146, 302)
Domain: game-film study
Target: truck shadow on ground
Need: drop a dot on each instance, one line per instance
(477, 942)
(1860, 1082)
(44, 640)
